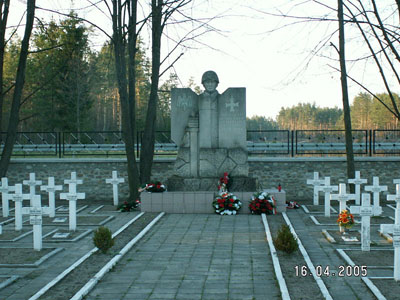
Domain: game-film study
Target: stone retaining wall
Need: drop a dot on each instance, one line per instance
(291, 173)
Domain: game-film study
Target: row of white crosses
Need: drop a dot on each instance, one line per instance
(35, 210)
(342, 196)
(395, 230)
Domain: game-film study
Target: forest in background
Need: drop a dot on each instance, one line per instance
(72, 87)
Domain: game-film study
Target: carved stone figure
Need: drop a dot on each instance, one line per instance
(210, 130)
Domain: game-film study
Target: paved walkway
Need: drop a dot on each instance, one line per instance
(195, 257)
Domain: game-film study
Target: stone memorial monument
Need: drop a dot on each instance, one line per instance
(210, 132)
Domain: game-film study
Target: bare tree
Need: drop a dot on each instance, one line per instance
(345, 95)
(19, 84)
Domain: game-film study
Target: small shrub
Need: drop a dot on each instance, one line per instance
(285, 241)
(103, 239)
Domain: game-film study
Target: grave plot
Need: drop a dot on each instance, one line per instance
(65, 210)
(378, 264)
(353, 237)
(6, 220)
(331, 221)
(288, 263)
(13, 235)
(18, 257)
(62, 236)
(84, 220)
(101, 209)
(6, 280)
(318, 209)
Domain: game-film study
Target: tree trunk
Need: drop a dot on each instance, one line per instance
(147, 151)
(345, 97)
(127, 125)
(19, 84)
(4, 9)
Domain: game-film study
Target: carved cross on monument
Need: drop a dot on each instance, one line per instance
(357, 181)
(35, 213)
(342, 197)
(316, 182)
(18, 197)
(115, 181)
(395, 230)
(32, 183)
(327, 188)
(72, 196)
(232, 104)
(51, 189)
(375, 188)
(366, 211)
(5, 196)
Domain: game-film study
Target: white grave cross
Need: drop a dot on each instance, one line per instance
(18, 197)
(316, 182)
(366, 211)
(375, 188)
(35, 213)
(73, 179)
(72, 196)
(5, 196)
(327, 188)
(357, 181)
(395, 230)
(32, 182)
(51, 189)
(115, 181)
(342, 197)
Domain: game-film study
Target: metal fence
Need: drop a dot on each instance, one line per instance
(259, 143)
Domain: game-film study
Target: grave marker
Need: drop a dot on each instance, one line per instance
(115, 181)
(5, 196)
(327, 188)
(18, 197)
(32, 183)
(51, 189)
(72, 196)
(316, 182)
(342, 197)
(366, 211)
(35, 213)
(357, 181)
(395, 230)
(375, 188)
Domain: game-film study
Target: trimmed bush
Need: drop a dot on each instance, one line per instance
(285, 241)
(102, 239)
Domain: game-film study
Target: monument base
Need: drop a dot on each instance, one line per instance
(200, 202)
(241, 184)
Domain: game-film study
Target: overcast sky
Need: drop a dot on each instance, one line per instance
(257, 51)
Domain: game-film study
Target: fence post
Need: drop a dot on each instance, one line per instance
(58, 144)
(292, 142)
(370, 142)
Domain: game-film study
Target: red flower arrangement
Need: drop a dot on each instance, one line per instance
(128, 206)
(345, 219)
(262, 202)
(224, 183)
(227, 204)
(156, 187)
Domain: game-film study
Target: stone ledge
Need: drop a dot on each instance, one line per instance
(210, 184)
(199, 202)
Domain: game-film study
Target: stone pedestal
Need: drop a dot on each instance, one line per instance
(211, 162)
(199, 202)
(242, 184)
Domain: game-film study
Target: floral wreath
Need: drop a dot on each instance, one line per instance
(156, 187)
(129, 206)
(262, 202)
(345, 219)
(226, 204)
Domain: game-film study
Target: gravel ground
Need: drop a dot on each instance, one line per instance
(21, 255)
(75, 280)
(299, 287)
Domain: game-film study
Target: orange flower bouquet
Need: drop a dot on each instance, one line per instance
(345, 219)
